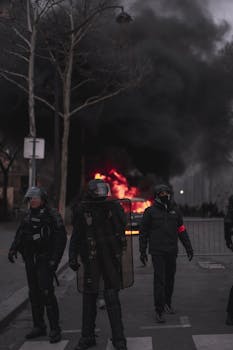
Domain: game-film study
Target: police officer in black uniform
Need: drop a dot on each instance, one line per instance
(228, 232)
(161, 226)
(41, 239)
(98, 238)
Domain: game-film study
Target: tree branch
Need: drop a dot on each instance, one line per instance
(96, 99)
(14, 74)
(14, 82)
(22, 37)
(81, 84)
(18, 55)
(45, 102)
(99, 10)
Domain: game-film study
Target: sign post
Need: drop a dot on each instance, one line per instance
(33, 149)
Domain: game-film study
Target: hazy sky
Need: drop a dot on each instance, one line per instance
(221, 9)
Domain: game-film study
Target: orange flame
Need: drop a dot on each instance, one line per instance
(120, 189)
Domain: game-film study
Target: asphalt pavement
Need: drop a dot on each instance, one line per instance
(200, 298)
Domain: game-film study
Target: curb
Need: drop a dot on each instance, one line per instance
(10, 307)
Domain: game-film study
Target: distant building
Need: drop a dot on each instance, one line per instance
(197, 186)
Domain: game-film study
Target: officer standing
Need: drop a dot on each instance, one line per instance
(161, 226)
(40, 239)
(228, 231)
(99, 240)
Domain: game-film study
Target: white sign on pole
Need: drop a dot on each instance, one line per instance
(28, 148)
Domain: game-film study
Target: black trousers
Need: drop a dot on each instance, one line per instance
(89, 312)
(164, 277)
(41, 292)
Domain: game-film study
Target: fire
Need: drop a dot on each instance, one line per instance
(120, 189)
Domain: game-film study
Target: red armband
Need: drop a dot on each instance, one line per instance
(181, 229)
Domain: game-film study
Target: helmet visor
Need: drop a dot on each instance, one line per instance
(101, 190)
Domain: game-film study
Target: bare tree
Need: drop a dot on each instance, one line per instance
(56, 22)
(31, 13)
(7, 157)
(66, 54)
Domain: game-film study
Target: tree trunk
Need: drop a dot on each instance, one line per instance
(31, 103)
(66, 121)
(4, 195)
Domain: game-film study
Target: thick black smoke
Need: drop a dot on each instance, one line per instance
(180, 113)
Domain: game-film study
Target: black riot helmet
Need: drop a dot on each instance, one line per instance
(37, 192)
(97, 189)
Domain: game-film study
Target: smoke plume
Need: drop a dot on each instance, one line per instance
(181, 112)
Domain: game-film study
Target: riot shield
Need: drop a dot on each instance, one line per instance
(109, 263)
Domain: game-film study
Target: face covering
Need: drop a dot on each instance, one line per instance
(165, 199)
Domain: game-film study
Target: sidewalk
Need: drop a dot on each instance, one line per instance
(14, 291)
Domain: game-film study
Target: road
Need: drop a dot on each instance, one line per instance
(200, 297)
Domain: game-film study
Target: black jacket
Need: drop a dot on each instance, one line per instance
(97, 224)
(41, 231)
(161, 227)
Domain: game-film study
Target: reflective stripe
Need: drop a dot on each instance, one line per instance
(181, 229)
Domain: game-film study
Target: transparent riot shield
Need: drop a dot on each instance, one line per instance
(108, 261)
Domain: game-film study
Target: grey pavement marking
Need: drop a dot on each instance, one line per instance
(76, 330)
(43, 345)
(210, 265)
(213, 341)
(137, 343)
(184, 323)
(184, 320)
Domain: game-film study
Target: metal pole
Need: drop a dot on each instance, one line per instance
(57, 156)
(33, 180)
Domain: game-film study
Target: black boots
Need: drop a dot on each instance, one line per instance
(120, 345)
(89, 311)
(169, 309)
(55, 335)
(86, 343)
(159, 317)
(53, 317)
(36, 332)
(114, 314)
(229, 319)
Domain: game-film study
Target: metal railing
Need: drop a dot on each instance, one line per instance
(206, 235)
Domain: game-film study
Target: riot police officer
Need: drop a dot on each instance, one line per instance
(161, 226)
(98, 241)
(41, 239)
(228, 231)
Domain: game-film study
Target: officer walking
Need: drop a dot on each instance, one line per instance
(228, 231)
(40, 239)
(98, 241)
(161, 226)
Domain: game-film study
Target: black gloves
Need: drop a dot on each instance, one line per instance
(73, 264)
(229, 245)
(144, 258)
(189, 254)
(53, 265)
(12, 255)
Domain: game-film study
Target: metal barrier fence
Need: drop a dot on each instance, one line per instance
(206, 235)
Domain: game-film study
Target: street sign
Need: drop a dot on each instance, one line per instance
(28, 147)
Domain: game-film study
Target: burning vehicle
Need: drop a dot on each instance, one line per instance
(138, 205)
(133, 205)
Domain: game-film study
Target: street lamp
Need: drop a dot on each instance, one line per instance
(123, 17)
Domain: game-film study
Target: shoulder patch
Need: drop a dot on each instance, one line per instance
(172, 212)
